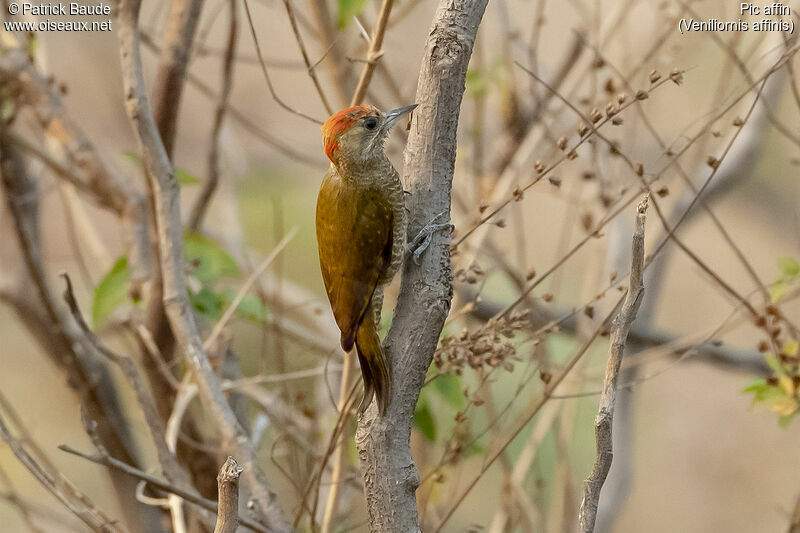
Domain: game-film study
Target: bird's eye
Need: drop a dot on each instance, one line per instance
(371, 123)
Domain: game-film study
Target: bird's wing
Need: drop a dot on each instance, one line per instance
(354, 234)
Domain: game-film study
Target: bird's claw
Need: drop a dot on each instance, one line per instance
(420, 243)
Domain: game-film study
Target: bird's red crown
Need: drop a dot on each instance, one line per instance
(340, 122)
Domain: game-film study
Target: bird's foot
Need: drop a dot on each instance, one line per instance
(420, 243)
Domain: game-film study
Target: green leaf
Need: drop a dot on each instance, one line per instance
(789, 267)
(207, 303)
(474, 449)
(346, 9)
(764, 394)
(111, 292)
(184, 178)
(775, 364)
(423, 419)
(785, 420)
(757, 385)
(251, 308)
(208, 260)
(777, 290)
(449, 387)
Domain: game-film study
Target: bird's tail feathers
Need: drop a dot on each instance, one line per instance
(374, 366)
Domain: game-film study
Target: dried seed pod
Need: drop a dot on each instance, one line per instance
(595, 115)
(712, 161)
(662, 192)
(611, 109)
(530, 275)
(562, 142)
(616, 121)
(642, 95)
(583, 129)
(676, 76)
(654, 76)
(621, 97)
(554, 180)
(738, 122)
(638, 168)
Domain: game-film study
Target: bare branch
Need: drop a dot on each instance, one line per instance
(374, 53)
(212, 176)
(228, 502)
(170, 237)
(169, 464)
(605, 415)
(76, 160)
(62, 489)
(264, 70)
(168, 89)
(340, 450)
(310, 69)
(116, 464)
(240, 116)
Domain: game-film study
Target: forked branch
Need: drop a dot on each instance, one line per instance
(605, 414)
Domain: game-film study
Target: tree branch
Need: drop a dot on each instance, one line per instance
(212, 176)
(605, 414)
(374, 53)
(228, 501)
(59, 487)
(191, 497)
(390, 476)
(170, 238)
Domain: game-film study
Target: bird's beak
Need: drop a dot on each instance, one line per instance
(391, 116)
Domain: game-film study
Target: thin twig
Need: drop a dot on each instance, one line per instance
(212, 179)
(605, 414)
(340, 450)
(14, 498)
(251, 279)
(203, 503)
(310, 69)
(243, 118)
(62, 489)
(374, 53)
(272, 92)
(169, 464)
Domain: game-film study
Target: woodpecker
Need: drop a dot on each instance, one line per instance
(361, 234)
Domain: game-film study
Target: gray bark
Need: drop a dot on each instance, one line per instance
(390, 476)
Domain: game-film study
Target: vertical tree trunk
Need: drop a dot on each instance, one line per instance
(390, 476)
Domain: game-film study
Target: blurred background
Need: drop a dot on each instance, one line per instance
(694, 453)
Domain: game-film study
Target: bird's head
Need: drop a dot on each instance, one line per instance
(358, 133)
